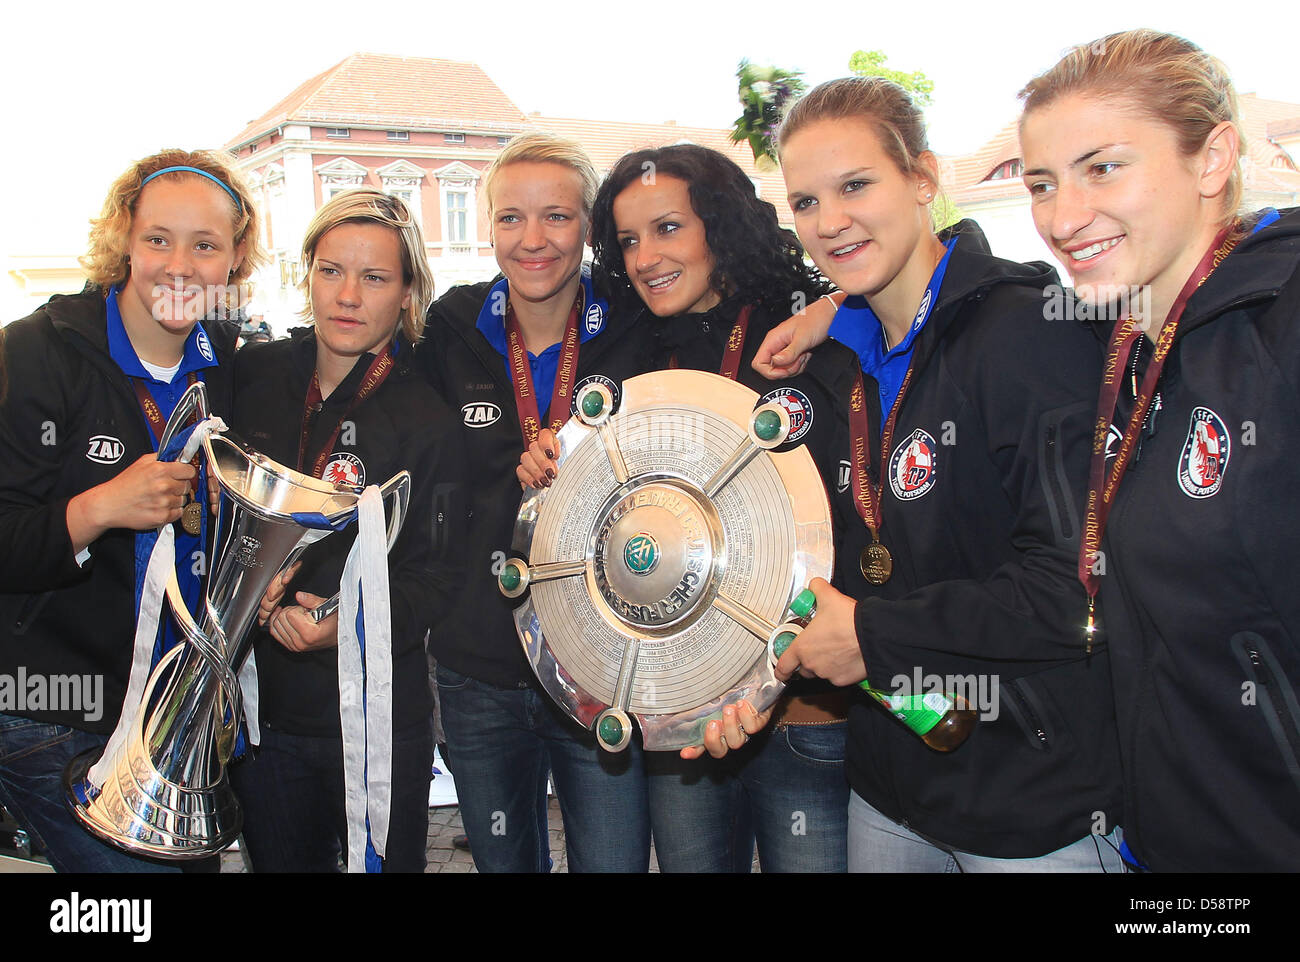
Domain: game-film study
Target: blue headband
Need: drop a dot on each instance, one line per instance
(201, 173)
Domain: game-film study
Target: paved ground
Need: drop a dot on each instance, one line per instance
(444, 824)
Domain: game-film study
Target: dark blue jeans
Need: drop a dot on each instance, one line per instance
(501, 742)
(32, 758)
(291, 790)
(786, 789)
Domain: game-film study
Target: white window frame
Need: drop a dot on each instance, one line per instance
(404, 177)
(458, 178)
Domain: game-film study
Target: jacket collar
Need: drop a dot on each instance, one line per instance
(972, 273)
(1256, 270)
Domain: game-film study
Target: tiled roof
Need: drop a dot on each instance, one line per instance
(400, 92)
(607, 140)
(963, 176)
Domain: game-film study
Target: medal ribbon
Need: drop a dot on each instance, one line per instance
(735, 344)
(157, 423)
(1102, 484)
(866, 497)
(530, 421)
(376, 374)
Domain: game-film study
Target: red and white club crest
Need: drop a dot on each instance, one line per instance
(912, 466)
(796, 405)
(344, 468)
(1205, 455)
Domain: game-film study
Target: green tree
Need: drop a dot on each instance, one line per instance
(871, 63)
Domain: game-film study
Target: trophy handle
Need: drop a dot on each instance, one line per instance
(194, 399)
(398, 489)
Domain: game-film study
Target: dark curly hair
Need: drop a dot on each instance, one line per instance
(753, 255)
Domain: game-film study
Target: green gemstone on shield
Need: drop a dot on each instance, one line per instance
(592, 404)
(610, 730)
(783, 641)
(510, 575)
(767, 425)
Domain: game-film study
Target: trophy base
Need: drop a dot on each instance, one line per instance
(142, 813)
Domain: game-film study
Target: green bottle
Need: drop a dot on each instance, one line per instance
(941, 720)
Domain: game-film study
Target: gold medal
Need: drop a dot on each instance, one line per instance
(192, 518)
(877, 563)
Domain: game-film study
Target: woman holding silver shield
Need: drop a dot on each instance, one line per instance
(508, 354)
(92, 379)
(682, 229)
(339, 401)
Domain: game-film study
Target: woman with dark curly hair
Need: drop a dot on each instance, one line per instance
(681, 227)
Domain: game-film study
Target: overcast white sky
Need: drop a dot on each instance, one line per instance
(86, 88)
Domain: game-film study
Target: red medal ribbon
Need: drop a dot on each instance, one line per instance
(1102, 485)
(378, 371)
(157, 423)
(530, 421)
(866, 498)
(735, 344)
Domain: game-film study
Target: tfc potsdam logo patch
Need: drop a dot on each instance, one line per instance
(913, 466)
(796, 405)
(1205, 455)
(344, 468)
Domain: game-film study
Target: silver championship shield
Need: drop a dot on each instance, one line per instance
(164, 793)
(655, 572)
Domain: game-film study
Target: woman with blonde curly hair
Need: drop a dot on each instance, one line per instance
(92, 378)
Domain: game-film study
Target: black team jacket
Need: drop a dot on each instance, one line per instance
(981, 510)
(70, 420)
(402, 425)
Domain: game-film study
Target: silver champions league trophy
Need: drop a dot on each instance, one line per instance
(165, 794)
(655, 572)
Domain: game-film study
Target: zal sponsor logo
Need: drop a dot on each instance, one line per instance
(844, 477)
(205, 346)
(105, 450)
(595, 319)
(480, 414)
(796, 405)
(922, 310)
(78, 916)
(343, 467)
(1205, 455)
(913, 466)
(1113, 439)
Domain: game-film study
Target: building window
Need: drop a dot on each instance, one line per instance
(457, 217)
(338, 133)
(502, 141)
(1009, 170)
(399, 135)
(401, 179)
(457, 186)
(453, 138)
(252, 148)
